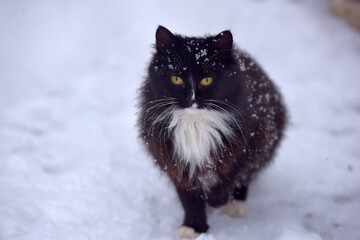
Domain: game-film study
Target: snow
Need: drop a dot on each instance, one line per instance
(298, 235)
(71, 166)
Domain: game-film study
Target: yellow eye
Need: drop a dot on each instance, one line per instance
(176, 80)
(206, 81)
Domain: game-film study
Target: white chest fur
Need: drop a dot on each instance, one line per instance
(197, 134)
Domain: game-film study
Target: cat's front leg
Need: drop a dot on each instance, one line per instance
(218, 195)
(195, 217)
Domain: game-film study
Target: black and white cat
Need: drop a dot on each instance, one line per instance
(211, 119)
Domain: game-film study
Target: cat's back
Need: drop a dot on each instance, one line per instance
(263, 111)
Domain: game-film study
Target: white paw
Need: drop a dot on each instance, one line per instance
(235, 209)
(187, 232)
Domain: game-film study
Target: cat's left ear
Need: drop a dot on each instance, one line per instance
(164, 38)
(223, 41)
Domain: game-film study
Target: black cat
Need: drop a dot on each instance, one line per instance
(211, 119)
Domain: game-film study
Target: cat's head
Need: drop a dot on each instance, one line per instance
(194, 73)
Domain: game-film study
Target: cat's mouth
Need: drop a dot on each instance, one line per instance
(194, 108)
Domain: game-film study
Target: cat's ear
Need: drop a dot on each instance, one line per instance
(223, 41)
(164, 38)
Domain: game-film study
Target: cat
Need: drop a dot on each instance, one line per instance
(211, 119)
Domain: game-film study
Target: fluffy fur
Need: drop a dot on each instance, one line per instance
(211, 140)
(198, 133)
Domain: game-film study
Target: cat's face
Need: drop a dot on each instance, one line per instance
(194, 73)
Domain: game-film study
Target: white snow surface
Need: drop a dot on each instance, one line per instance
(71, 166)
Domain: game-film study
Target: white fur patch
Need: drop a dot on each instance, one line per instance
(187, 232)
(235, 209)
(198, 133)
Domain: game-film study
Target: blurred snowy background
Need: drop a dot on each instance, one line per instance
(70, 163)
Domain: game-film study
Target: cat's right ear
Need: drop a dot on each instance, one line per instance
(224, 41)
(164, 38)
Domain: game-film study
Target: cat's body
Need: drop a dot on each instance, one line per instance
(211, 119)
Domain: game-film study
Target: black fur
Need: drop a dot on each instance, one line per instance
(240, 87)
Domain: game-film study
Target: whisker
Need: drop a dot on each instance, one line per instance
(178, 63)
(233, 119)
(181, 62)
(216, 108)
(159, 100)
(211, 58)
(162, 116)
(153, 109)
(234, 107)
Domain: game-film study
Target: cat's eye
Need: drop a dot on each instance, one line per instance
(206, 81)
(176, 80)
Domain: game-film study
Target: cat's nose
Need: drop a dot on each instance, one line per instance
(190, 98)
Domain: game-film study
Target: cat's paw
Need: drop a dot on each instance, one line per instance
(235, 209)
(187, 232)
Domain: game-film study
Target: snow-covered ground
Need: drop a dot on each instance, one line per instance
(71, 166)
